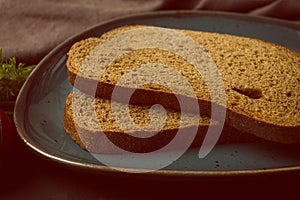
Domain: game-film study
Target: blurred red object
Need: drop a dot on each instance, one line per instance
(7, 135)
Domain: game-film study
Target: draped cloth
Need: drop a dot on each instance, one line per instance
(30, 29)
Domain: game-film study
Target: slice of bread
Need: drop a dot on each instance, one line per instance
(261, 79)
(87, 120)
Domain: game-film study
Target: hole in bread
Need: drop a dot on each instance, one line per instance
(289, 94)
(253, 93)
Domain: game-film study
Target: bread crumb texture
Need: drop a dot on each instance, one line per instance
(97, 115)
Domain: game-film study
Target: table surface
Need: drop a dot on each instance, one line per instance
(28, 175)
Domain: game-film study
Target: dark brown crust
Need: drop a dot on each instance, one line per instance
(271, 132)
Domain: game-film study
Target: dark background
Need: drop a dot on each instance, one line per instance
(30, 29)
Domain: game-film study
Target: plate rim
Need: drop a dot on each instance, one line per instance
(55, 52)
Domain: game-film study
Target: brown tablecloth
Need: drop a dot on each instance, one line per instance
(30, 29)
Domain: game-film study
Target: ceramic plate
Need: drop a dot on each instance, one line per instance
(40, 104)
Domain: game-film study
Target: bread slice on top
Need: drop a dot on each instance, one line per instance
(261, 80)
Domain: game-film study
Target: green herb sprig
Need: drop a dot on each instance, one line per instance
(12, 77)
